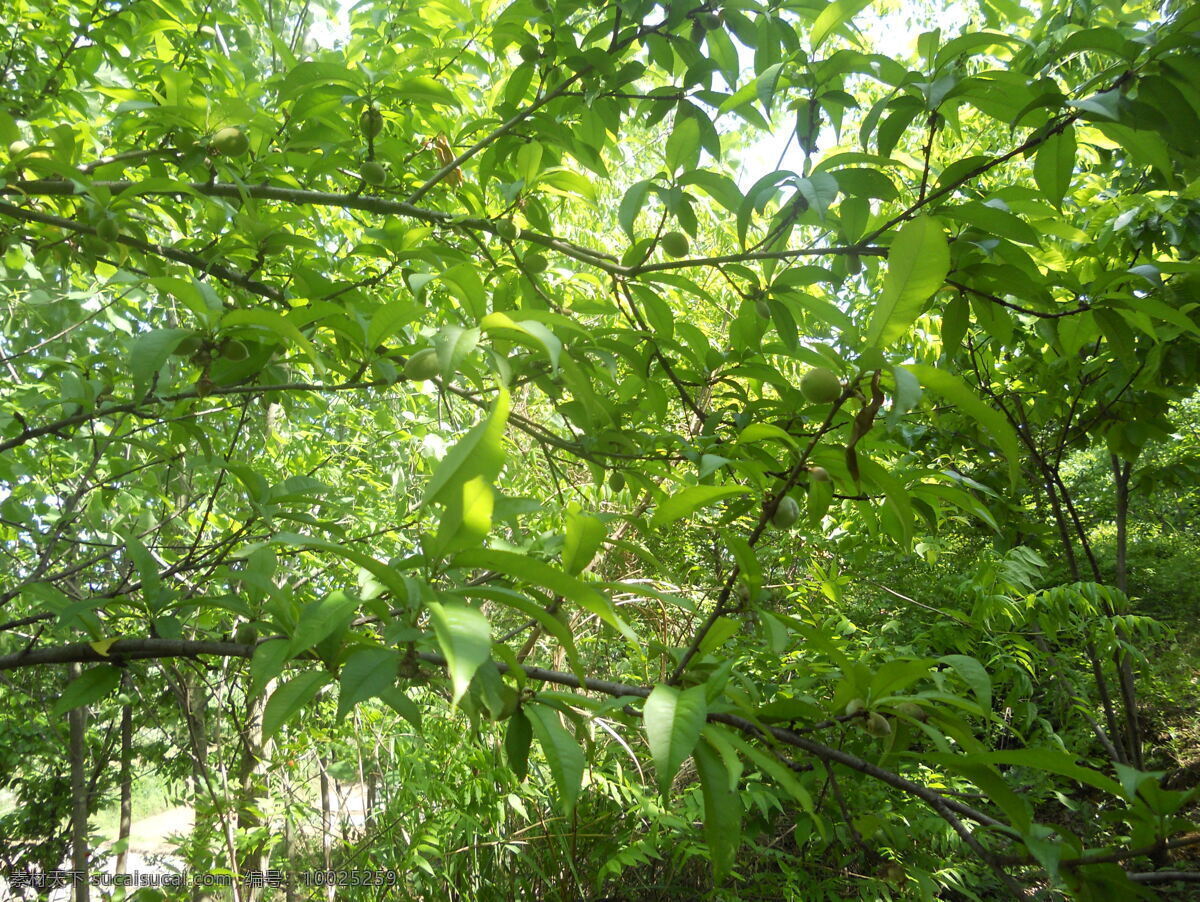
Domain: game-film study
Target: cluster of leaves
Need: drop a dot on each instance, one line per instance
(447, 350)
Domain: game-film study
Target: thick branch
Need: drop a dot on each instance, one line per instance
(385, 207)
(303, 197)
(123, 650)
(77, 419)
(224, 273)
(140, 649)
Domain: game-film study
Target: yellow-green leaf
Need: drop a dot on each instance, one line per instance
(918, 262)
(465, 637)
(102, 646)
(685, 503)
(673, 720)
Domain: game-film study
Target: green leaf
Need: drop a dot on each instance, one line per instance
(767, 84)
(467, 518)
(683, 145)
(148, 353)
(833, 17)
(673, 720)
(957, 393)
(562, 752)
(453, 344)
(631, 205)
(987, 778)
(478, 453)
(464, 284)
(550, 623)
(288, 698)
(747, 560)
(687, 502)
(147, 566)
(366, 674)
(769, 765)
(517, 738)
(899, 673)
(275, 324)
(398, 701)
(302, 77)
(568, 182)
(541, 574)
(906, 396)
(761, 432)
(381, 571)
(1105, 105)
(584, 536)
(9, 131)
(321, 618)
(722, 629)
(993, 218)
(90, 686)
(819, 190)
(975, 675)
(465, 637)
(710, 463)
(720, 188)
(1054, 762)
(423, 89)
(389, 319)
(528, 332)
(722, 810)
(267, 663)
(1157, 309)
(956, 317)
(1055, 164)
(918, 262)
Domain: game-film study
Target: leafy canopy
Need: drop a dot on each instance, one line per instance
(454, 340)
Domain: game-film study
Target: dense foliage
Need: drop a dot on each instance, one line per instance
(445, 401)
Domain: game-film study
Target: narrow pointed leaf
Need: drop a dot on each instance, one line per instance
(687, 502)
(673, 720)
(918, 262)
(722, 810)
(288, 698)
(585, 534)
(562, 752)
(90, 686)
(478, 453)
(465, 637)
(954, 390)
(367, 673)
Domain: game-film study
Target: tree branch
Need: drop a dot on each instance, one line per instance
(222, 272)
(385, 207)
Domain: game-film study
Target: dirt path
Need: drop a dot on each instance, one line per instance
(149, 836)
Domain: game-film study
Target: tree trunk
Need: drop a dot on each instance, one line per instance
(289, 887)
(250, 788)
(77, 754)
(326, 826)
(369, 814)
(195, 708)
(1122, 470)
(1060, 522)
(1064, 534)
(126, 780)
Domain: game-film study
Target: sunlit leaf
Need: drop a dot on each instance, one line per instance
(673, 720)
